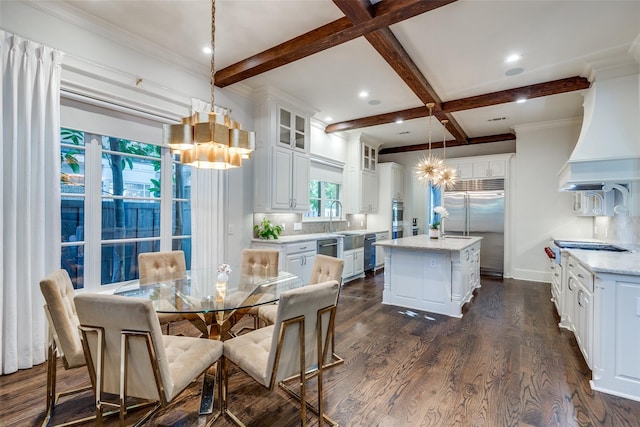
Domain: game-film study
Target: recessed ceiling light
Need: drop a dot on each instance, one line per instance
(207, 50)
(514, 71)
(521, 100)
(512, 58)
(363, 94)
(399, 121)
(328, 118)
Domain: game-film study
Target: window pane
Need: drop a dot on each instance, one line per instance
(119, 261)
(71, 169)
(314, 189)
(181, 181)
(127, 219)
(72, 260)
(185, 246)
(331, 191)
(181, 222)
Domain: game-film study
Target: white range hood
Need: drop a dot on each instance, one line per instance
(608, 149)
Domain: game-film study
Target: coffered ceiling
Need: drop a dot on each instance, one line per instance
(404, 53)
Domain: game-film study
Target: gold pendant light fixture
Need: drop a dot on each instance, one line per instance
(429, 168)
(210, 140)
(448, 176)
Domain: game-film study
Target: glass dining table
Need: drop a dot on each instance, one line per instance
(211, 306)
(217, 306)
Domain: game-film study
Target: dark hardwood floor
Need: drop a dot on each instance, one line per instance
(505, 363)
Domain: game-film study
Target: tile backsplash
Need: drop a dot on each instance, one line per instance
(348, 222)
(617, 229)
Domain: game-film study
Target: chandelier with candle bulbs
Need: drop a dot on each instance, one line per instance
(210, 140)
(429, 168)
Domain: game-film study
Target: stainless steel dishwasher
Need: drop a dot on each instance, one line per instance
(369, 252)
(328, 246)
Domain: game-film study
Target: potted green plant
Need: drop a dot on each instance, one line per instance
(266, 230)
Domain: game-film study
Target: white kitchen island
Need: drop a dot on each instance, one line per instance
(436, 275)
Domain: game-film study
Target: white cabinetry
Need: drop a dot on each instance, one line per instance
(290, 180)
(380, 250)
(581, 297)
(362, 178)
(296, 258)
(489, 169)
(390, 186)
(398, 181)
(299, 258)
(616, 336)
(481, 167)
(281, 158)
(353, 263)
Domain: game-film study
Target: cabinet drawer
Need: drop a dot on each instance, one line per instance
(581, 273)
(293, 248)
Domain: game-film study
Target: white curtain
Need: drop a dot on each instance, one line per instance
(30, 184)
(207, 211)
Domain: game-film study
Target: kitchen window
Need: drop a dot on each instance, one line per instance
(321, 197)
(113, 206)
(325, 186)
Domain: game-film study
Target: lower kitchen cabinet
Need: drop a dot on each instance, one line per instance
(580, 307)
(353, 263)
(296, 258)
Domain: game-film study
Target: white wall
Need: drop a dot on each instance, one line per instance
(540, 211)
(330, 146)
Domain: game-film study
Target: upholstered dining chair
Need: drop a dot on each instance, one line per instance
(64, 337)
(155, 266)
(324, 268)
(292, 348)
(128, 356)
(258, 262)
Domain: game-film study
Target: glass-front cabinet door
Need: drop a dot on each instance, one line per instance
(292, 129)
(369, 157)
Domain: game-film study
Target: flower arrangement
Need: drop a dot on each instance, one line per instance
(223, 273)
(224, 268)
(442, 211)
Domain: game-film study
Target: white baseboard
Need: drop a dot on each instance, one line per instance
(532, 275)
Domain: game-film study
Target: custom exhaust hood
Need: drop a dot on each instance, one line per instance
(608, 148)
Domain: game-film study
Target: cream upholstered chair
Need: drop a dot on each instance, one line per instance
(64, 336)
(324, 268)
(155, 266)
(128, 356)
(293, 348)
(258, 262)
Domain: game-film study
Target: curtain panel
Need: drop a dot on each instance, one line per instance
(30, 183)
(207, 210)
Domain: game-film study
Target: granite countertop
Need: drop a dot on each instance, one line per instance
(424, 242)
(282, 240)
(609, 262)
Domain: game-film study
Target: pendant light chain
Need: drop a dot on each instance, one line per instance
(213, 50)
(430, 107)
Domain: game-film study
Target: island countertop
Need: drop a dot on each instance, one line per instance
(423, 242)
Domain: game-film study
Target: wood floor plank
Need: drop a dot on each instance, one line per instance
(505, 363)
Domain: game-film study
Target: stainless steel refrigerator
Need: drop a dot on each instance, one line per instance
(476, 208)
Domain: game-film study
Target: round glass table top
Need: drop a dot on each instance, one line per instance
(198, 291)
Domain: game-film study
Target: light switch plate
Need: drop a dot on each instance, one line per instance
(297, 226)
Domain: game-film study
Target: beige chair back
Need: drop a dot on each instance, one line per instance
(326, 268)
(114, 314)
(154, 266)
(260, 262)
(58, 294)
(305, 301)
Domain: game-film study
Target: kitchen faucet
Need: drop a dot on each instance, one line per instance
(331, 212)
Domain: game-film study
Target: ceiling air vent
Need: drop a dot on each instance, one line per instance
(406, 132)
(497, 119)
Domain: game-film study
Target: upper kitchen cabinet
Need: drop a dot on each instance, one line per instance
(293, 129)
(481, 167)
(362, 177)
(281, 158)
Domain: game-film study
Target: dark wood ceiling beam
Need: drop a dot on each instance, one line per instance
(386, 13)
(392, 51)
(541, 89)
(437, 145)
(511, 95)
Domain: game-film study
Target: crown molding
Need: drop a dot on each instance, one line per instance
(550, 124)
